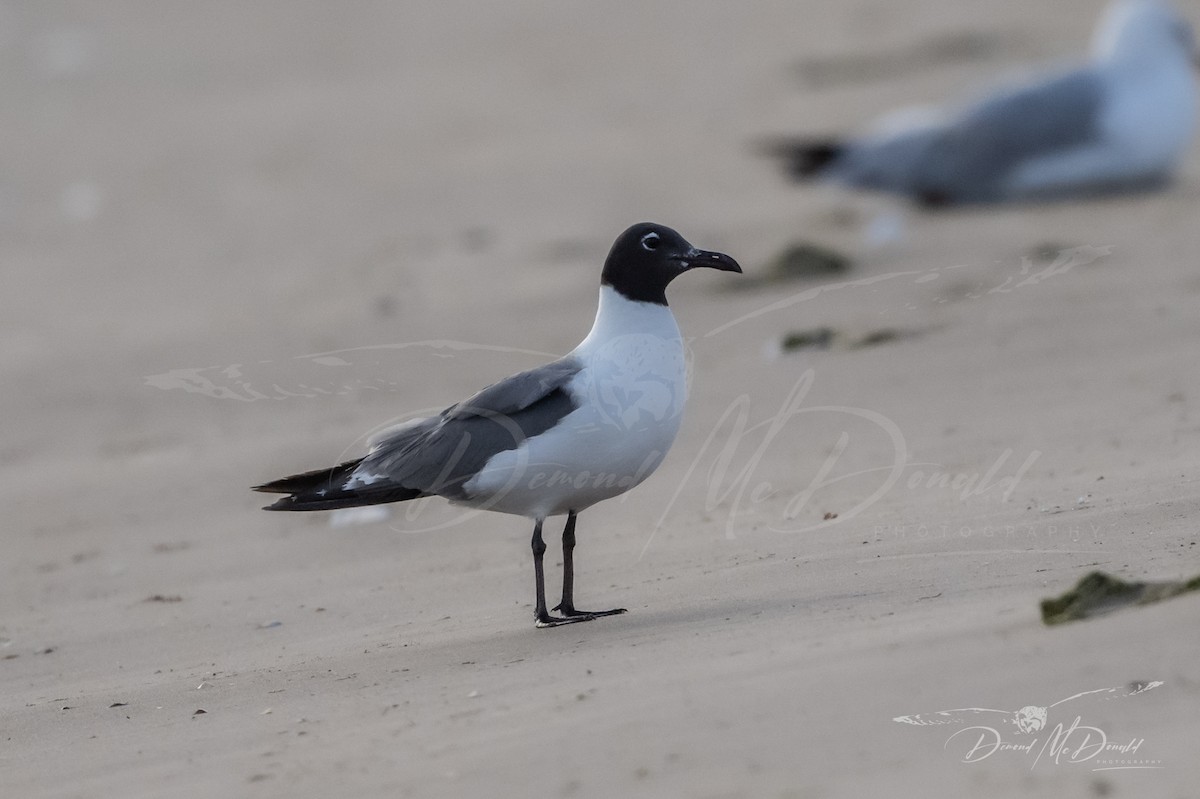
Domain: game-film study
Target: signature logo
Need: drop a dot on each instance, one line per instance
(868, 458)
(982, 732)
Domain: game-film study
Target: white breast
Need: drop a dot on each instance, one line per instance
(1152, 113)
(630, 396)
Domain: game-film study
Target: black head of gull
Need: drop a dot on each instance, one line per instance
(646, 257)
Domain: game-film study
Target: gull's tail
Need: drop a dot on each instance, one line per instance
(331, 488)
(803, 158)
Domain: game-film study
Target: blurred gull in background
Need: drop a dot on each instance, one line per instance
(1122, 122)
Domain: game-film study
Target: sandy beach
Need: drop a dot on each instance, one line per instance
(240, 238)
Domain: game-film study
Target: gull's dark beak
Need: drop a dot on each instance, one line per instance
(714, 260)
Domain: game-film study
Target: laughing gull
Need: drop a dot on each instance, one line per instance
(552, 440)
(1122, 122)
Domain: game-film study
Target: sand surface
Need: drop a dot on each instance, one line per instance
(237, 238)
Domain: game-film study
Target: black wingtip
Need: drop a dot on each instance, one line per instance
(326, 478)
(325, 489)
(803, 158)
(338, 499)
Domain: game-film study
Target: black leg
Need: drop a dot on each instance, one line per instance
(540, 616)
(568, 595)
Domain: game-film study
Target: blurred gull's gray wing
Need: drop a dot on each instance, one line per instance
(1013, 128)
(439, 454)
(968, 158)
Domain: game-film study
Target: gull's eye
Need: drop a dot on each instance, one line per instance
(651, 241)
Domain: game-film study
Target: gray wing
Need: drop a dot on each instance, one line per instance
(1005, 131)
(398, 436)
(968, 158)
(518, 392)
(439, 454)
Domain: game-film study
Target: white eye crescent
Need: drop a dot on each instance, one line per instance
(650, 241)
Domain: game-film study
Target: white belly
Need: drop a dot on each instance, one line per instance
(1153, 119)
(1145, 129)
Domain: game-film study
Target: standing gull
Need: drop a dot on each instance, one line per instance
(1122, 122)
(552, 440)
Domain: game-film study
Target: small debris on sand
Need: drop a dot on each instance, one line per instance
(820, 338)
(1046, 252)
(796, 261)
(806, 260)
(1100, 593)
(824, 338)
